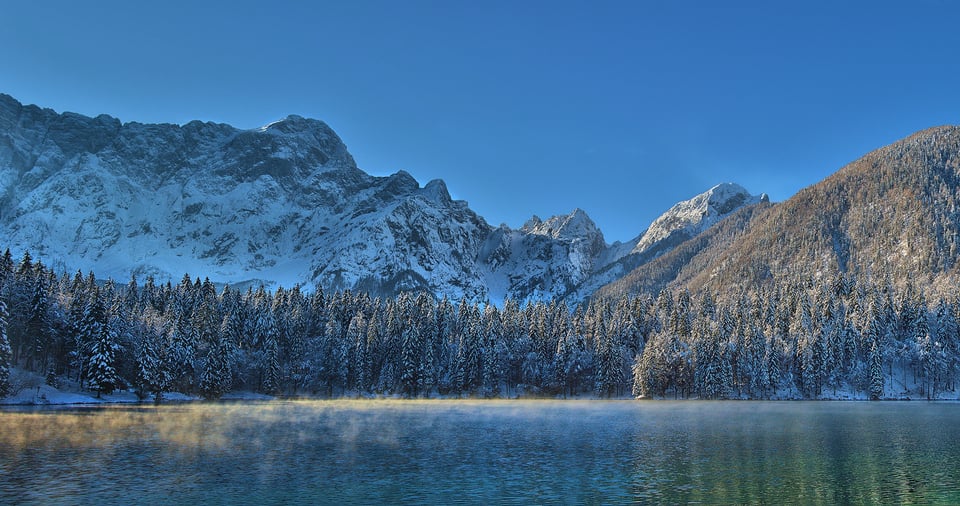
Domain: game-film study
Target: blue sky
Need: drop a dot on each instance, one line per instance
(523, 107)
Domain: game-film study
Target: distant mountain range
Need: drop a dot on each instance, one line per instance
(286, 204)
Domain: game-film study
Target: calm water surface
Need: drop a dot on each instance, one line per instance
(519, 452)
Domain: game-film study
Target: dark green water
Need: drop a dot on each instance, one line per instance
(515, 452)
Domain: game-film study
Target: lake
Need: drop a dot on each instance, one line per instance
(482, 452)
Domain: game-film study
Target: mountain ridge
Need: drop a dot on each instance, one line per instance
(281, 204)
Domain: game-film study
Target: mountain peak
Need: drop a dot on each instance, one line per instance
(436, 190)
(690, 217)
(564, 226)
(294, 123)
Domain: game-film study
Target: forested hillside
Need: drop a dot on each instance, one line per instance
(689, 257)
(811, 338)
(893, 216)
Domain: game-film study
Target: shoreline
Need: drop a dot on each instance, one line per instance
(35, 393)
(127, 398)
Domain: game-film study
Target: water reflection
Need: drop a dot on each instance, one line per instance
(481, 452)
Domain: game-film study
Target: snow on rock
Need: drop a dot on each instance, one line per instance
(688, 218)
(544, 259)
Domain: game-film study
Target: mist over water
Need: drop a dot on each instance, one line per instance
(473, 452)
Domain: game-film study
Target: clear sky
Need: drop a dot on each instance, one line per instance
(523, 107)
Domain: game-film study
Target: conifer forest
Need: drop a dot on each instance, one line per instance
(805, 339)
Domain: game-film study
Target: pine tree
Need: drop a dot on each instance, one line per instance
(217, 374)
(468, 362)
(5, 351)
(153, 356)
(561, 362)
(608, 373)
(639, 386)
(759, 374)
(103, 355)
(38, 325)
(946, 336)
(357, 335)
(876, 372)
(270, 347)
(874, 340)
(494, 351)
(651, 369)
(411, 360)
(6, 267)
(184, 343)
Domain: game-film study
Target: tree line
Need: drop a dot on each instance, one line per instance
(806, 339)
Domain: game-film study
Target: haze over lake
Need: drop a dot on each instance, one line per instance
(471, 452)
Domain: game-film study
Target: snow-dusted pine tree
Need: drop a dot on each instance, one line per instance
(411, 360)
(357, 334)
(876, 372)
(102, 362)
(153, 356)
(216, 375)
(5, 352)
(561, 360)
(271, 361)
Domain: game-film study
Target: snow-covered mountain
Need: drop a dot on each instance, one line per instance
(285, 204)
(544, 258)
(281, 204)
(691, 217)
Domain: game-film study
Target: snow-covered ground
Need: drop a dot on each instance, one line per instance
(34, 391)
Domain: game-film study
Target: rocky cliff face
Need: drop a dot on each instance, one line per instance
(544, 258)
(282, 204)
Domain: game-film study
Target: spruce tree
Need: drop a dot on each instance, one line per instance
(217, 374)
(5, 352)
(103, 354)
(411, 355)
(562, 360)
(271, 382)
(876, 372)
(152, 356)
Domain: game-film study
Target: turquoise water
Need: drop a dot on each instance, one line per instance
(514, 452)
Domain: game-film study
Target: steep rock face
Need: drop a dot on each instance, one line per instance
(566, 256)
(544, 258)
